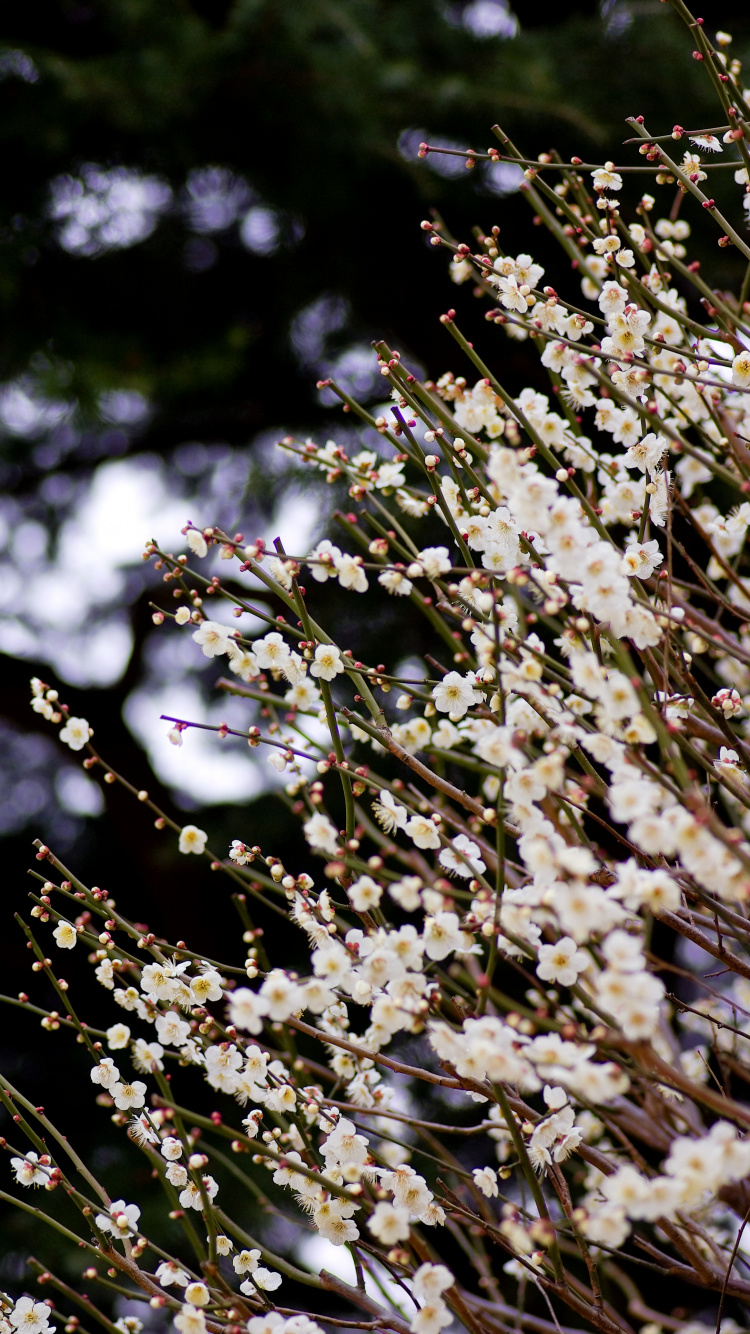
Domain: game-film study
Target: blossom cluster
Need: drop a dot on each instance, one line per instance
(528, 883)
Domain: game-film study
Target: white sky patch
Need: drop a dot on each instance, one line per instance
(16, 639)
(214, 198)
(490, 18)
(77, 793)
(315, 1253)
(503, 178)
(297, 523)
(106, 208)
(18, 65)
(124, 407)
(129, 500)
(71, 612)
(94, 657)
(444, 164)
(64, 610)
(261, 230)
(204, 767)
(418, 430)
(313, 325)
(354, 369)
(229, 770)
(26, 412)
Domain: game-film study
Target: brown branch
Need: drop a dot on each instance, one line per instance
(457, 794)
(706, 942)
(360, 1298)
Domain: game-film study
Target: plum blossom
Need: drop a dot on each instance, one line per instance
(214, 639)
(389, 813)
(327, 663)
(105, 1073)
(76, 733)
(741, 370)
(389, 1223)
(192, 839)
(432, 562)
(272, 652)
(118, 1036)
(350, 573)
(169, 1274)
(129, 1097)
(29, 1171)
(122, 1219)
(190, 1320)
(456, 694)
(468, 864)
(365, 893)
(65, 935)
(562, 962)
(395, 582)
(606, 178)
(247, 1010)
(321, 834)
(196, 541)
(485, 1178)
(30, 1317)
(422, 831)
(647, 454)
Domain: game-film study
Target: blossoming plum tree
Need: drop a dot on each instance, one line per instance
(529, 882)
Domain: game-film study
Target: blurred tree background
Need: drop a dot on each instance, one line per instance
(205, 206)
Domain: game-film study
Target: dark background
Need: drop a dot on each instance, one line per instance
(276, 234)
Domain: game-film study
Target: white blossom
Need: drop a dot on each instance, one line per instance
(76, 733)
(192, 839)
